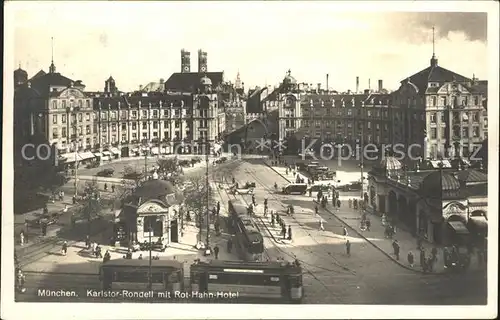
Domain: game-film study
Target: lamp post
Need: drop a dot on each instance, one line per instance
(207, 181)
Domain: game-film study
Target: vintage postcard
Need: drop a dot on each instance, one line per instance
(256, 159)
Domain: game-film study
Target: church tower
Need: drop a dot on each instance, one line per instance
(185, 61)
(20, 76)
(434, 60)
(202, 61)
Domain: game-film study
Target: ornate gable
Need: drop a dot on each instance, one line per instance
(450, 88)
(72, 93)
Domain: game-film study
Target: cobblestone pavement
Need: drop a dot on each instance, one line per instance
(366, 276)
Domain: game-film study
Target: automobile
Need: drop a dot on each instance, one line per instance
(295, 188)
(47, 219)
(106, 173)
(318, 187)
(352, 186)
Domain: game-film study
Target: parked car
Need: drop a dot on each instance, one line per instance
(353, 186)
(48, 219)
(106, 173)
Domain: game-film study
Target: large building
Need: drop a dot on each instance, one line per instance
(114, 124)
(441, 111)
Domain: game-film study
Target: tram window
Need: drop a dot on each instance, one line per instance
(275, 279)
(295, 281)
(173, 277)
(246, 279)
(213, 277)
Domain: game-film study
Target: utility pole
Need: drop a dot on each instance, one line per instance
(362, 162)
(207, 181)
(150, 275)
(145, 162)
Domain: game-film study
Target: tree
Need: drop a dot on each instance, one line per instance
(168, 165)
(195, 195)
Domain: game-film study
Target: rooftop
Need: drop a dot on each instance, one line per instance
(190, 81)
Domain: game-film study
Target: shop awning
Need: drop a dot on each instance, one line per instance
(479, 221)
(106, 153)
(114, 150)
(86, 155)
(70, 157)
(155, 151)
(459, 227)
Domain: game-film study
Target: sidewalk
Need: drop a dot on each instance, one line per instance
(407, 243)
(78, 259)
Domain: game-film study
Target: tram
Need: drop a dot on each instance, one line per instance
(133, 274)
(264, 281)
(250, 243)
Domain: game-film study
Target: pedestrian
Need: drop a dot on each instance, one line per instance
(113, 188)
(216, 252)
(289, 232)
(107, 256)
(430, 263)
(44, 229)
(411, 259)
(21, 237)
(344, 231)
(218, 207)
(140, 257)
(64, 248)
(422, 258)
(434, 253)
(65, 208)
(321, 226)
(229, 245)
(272, 218)
(87, 242)
(283, 231)
(350, 203)
(348, 248)
(368, 224)
(45, 210)
(338, 203)
(98, 253)
(128, 255)
(73, 199)
(395, 246)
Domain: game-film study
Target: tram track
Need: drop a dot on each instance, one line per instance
(280, 203)
(304, 264)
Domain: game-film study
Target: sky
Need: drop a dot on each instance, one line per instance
(140, 43)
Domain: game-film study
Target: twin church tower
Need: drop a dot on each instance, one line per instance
(186, 61)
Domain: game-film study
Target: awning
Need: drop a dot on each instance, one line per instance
(106, 153)
(70, 157)
(479, 221)
(114, 150)
(98, 154)
(459, 227)
(86, 155)
(155, 151)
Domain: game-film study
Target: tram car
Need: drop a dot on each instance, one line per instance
(259, 282)
(250, 243)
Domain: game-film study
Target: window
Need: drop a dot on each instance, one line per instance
(377, 126)
(349, 112)
(433, 133)
(443, 119)
(443, 133)
(87, 129)
(63, 132)
(144, 113)
(113, 115)
(103, 115)
(134, 126)
(124, 137)
(444, 101)
(54, 104)
(165, 124)
(155, 134)
(124, 126)
(87, 116)
(80, 130)
(369, 124)
(63, 118)
(64, 104)
(87, 102)
(475, 132)
(369, 113)
(465, 132)
(54, 119)
(113, 127)
(95, 115)
(433, 117)
(475, 117)
(476, 100)
(433, 101)
(123, 114)
(177, 124)
(80, 117)
(485, 123)
(134, 114)
(155, 113)
(465, 101)
(165, 113)
(349, 124)
(55, 134)
(113, 139)
(134, 136)
(80, 103)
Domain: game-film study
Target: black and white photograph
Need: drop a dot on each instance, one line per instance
(264, 159)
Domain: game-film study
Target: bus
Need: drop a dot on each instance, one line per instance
(250, 243)
(133, 274)
(270, 281)
(295, 188)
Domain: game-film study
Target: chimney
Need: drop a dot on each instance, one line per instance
(319, 87)
(327, 82)
(357, 84)
(380, 85)
(367, 91)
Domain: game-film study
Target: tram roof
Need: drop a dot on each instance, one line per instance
(142, 263)
(246, 264)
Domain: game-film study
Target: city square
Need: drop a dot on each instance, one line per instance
(199, 188)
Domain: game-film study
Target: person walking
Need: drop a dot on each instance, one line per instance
(348, 248)
(411, 259)
(283, 231)
(44, 228)
(216, 252)
(87, 242)
(140, 257)
(321, 226)
(105, 187)
(338, 203)
(350, 203)
(98, 253)
(395, 246)
(229, 245)
(289, 232)
(422, 258)
(21, 237)
(272, 218)
(113, 188)
(316, 210)
(107, 256)
(344, 231)
(368, 224)
(64, 248)
(218, 207)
